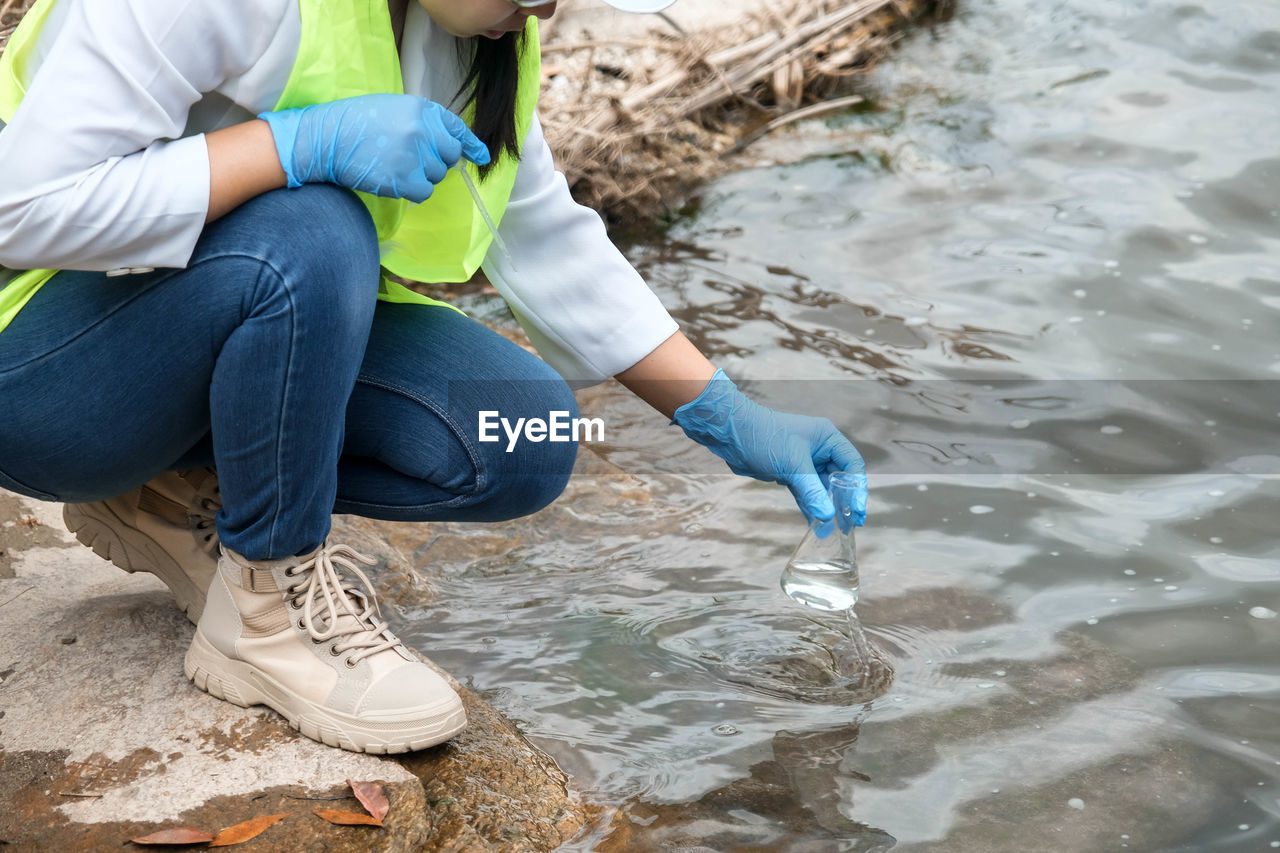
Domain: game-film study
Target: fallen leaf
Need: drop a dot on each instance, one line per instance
(372, 797)
(181, 835)
(347, 818)
(244, 831)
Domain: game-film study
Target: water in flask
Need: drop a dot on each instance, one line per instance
(823, 571)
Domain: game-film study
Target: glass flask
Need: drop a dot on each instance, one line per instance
(823, 571)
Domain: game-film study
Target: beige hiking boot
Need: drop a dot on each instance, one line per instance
(304, 636)
(164, 527)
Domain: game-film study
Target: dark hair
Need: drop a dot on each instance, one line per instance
(492, 80)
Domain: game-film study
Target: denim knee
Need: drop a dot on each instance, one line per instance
(521, 476)
(318, 240)
(416, 458)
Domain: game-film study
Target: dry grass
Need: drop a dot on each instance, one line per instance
(635, 122)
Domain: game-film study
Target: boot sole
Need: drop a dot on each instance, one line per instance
(96, 526)
(244, 684)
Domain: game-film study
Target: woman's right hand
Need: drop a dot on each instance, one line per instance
(397, 146)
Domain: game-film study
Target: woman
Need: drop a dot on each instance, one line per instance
(203, 312)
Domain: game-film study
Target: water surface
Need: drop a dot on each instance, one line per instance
(1038, 284)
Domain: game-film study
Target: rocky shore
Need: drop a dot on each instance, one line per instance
(102, 738)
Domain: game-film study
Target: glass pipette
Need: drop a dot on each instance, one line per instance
(484, 213)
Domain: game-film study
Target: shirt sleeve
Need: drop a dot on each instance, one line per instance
(97, 174)
(584, 307)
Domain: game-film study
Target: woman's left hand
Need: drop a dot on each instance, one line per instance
(799, 451)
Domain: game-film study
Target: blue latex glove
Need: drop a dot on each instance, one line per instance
(798, 451)
(397, 146)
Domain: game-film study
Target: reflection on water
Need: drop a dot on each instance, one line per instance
(1038, 285)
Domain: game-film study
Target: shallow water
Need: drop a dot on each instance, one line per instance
(1038, 284)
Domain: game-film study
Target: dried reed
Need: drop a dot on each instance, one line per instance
(634, 123)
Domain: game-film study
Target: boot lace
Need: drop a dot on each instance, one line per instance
(203, 510)
(337, 606)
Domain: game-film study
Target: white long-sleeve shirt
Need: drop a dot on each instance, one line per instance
(105, 165)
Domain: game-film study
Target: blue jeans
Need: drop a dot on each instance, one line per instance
(270, 357)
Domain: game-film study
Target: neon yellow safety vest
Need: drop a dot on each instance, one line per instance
(347, 48)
